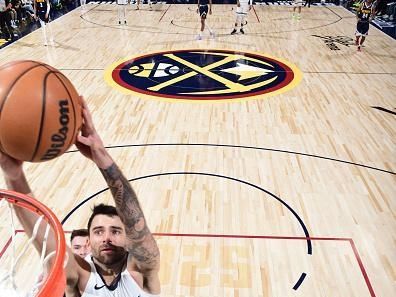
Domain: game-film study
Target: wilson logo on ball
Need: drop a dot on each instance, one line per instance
(204, 75)
(58, 139)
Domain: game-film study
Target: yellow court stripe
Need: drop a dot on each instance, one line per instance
(190, 74)
(108, 76)
(239, 57)
(204, 70)
(227, 91)
(172, 81)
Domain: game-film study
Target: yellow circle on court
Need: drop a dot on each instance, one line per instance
(203, 75)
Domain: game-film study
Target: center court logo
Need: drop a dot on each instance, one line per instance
(203, 75)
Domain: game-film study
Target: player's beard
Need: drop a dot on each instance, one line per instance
(113, 255)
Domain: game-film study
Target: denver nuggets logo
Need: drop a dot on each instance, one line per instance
(204, 75)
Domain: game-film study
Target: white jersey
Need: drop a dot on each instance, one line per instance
(297, 3)
(126, 286)
(122, 2)
(244, 6)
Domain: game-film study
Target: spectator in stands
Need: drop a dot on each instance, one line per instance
(27, 9)
(380, 7)
(17, 7)
(13, 15)
(5, 22)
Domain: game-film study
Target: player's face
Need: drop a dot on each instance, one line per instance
(108, 239)
(80, 246)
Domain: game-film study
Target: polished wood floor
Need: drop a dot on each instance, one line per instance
(223, 215)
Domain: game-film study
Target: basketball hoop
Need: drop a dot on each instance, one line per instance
(55, 283)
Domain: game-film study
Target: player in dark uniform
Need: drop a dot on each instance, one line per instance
(42, 9)
(41, 13)
(364, 15)
(204, 6)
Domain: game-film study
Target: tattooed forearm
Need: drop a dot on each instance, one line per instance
(143, 246)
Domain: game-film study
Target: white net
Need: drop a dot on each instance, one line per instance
(22, 270)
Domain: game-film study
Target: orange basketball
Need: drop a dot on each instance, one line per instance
(40, 111)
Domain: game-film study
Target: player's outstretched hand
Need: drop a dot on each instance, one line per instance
(89, 142)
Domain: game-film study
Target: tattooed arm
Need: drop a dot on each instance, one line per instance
(145, 256)
(142, 244)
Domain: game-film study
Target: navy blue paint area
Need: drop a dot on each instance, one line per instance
(300, 280)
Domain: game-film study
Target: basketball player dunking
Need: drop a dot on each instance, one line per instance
(125, 256)
(41, 12)
(203, 10)
(364, 15)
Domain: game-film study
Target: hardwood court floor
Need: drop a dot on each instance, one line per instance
(220, 212)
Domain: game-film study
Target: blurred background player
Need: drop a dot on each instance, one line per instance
(149, 3)
(41, 12)
(243, 6)
(79, 241)
(364, 15)
(204, 6)
(297, 5)
(308, 2)
(121, 7)
(83, 2)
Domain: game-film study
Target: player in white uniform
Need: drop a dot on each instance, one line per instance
(121, 8)
(79, 242)
(243, 7)
(123, 286)
(83, 3)
(297, 4)
(125, 257)
(148, 2)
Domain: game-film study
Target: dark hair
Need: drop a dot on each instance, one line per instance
(104, 209)
(78, 232)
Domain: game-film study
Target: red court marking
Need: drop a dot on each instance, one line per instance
(362, 269)
(164, 13)
(256, 14)
(5, 247)
(350, 240)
